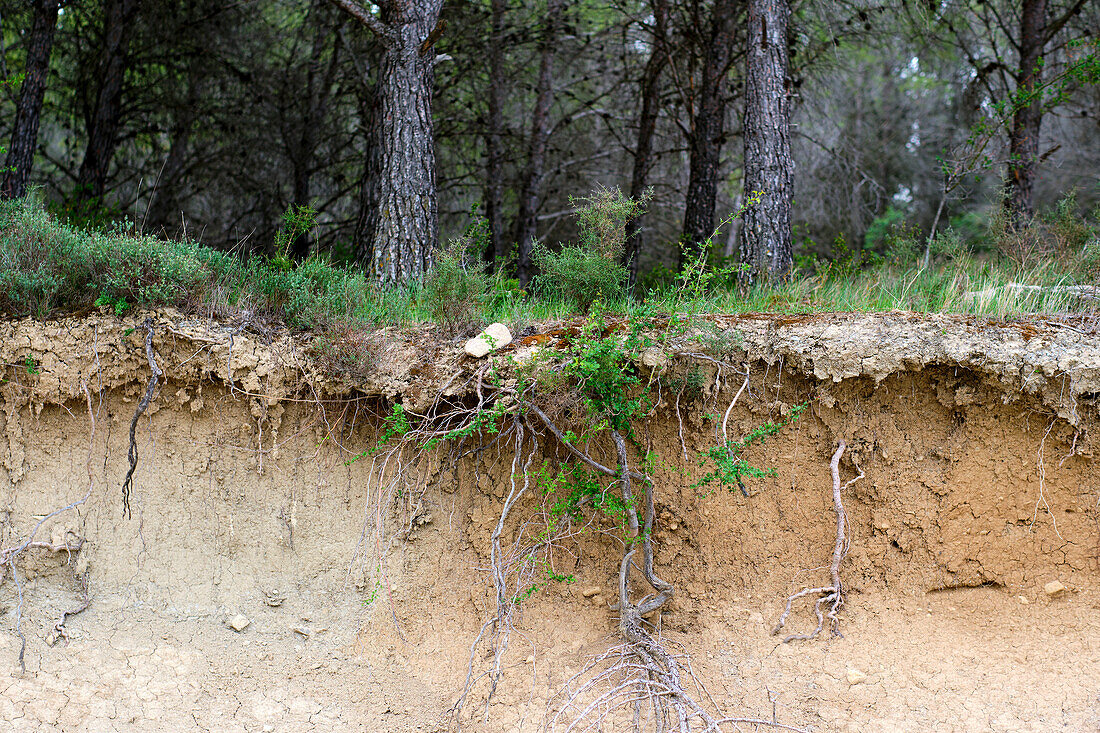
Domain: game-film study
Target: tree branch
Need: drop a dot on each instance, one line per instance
(1057, 25)
(364, 16)
(426, 46)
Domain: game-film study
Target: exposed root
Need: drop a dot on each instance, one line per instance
(9, 556)
(142, 406)
(1040, 465)
(831, 595)
(59, 631)
(639, 685)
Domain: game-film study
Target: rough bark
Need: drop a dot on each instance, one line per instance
(766, 234)
(1027, 120)
(494, 134)
(707, 134)
(531, 192)
(24, 136)
(647, 126)
(103, 123)
(402, 226)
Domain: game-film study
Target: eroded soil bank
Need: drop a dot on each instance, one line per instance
(980, 488)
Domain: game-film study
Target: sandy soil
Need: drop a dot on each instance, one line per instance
(964, 660)
(981, 487)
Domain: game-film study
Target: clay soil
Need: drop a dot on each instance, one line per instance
(980, 490)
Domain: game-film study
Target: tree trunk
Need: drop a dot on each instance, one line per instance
(531, 194)
(103, 124)
(494, 133)
(708, 131)
(401, 224)
(647, 126)
(766, 234)
(164, 206)
(1028, 116)
(24, 136)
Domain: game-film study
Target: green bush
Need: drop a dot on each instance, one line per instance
(590, 269)
(456, 284)
(48, 267)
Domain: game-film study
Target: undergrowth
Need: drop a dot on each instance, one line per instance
(49, 268)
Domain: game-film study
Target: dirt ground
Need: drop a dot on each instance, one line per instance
(963, 660)
(976, 495)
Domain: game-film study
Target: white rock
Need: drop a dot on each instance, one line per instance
(856, 676)
(239, 622)
(590, 591)
(496, 336)
(1054, 588)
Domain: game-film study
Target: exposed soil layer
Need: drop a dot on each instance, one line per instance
(980, 489)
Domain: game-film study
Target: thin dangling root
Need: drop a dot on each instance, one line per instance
(833, 595)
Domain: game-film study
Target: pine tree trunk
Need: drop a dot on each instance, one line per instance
(103, 124)
(398, 223)
(24, 136)
(766, 234)
(647, 126)
(164, 207)
(531, 195)
(494, 148)
(708, 131)
(1028, 117)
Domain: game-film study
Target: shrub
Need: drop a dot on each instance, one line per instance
(590, 269)
(47, 266)
(456, 284)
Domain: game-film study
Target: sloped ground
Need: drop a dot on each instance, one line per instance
(980, 489)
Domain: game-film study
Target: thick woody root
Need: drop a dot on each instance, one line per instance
(151, 388)
(639, 685)
(828, 596)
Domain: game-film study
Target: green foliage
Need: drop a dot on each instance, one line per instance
(47, 266)
(86, 211)
(703, 271)
(396, 425)
(297, 220)
(574, 487)
(1068, 230)
(878, 232)
(600, 368)
(590, 269)
(456, 285)
(730, 468)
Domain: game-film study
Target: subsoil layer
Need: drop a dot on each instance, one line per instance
(980, 490)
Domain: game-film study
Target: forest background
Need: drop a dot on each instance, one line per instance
(213, 120)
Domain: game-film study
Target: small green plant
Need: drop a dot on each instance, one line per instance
(730, 468)
(31, 364)
(48, 266)
(119, 305)
(297, 221)
(590, 269)
(600, 369)
(1070, 232)
(550, 577)
(456, 285)
(703, 270)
